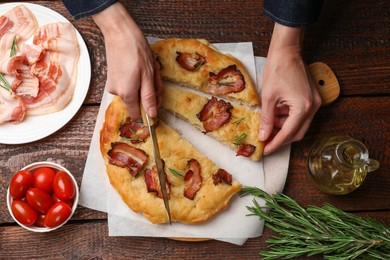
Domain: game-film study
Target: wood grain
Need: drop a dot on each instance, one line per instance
(326, 82)
(90, 240)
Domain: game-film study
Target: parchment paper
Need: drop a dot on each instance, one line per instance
(232, 225)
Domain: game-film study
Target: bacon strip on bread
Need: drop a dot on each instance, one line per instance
(126, 156)
(153, 183)
(215, 114)
(222, 176)
(228, 80)
(134, 130)
(193, 178)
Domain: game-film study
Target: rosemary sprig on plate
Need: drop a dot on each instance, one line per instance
(14, 47)
(314, 230)
(4, 83)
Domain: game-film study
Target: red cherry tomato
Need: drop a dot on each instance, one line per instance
(23, 212)
(40, 221)
(63, 186)
(57, 214)
(39, 200)
(20, 183)
(43, 179)
(69, 202)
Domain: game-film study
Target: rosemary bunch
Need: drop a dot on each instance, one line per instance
(314, 230)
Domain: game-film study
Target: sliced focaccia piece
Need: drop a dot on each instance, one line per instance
(233, 125)
(195, 64)
(196, 187)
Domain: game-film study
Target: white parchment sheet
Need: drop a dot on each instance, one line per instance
(232, 225)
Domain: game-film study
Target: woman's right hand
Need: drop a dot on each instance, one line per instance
(132, 71)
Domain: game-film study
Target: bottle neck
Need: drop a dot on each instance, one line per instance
(352, 154)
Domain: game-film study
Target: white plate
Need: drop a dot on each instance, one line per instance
(34, 128)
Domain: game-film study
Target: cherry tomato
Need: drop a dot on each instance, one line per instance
(43, 179)
(69, 202)
(57, 214)
(20, 183)
(23, 212)
(40, 221)
(63, 186)
(39, 200)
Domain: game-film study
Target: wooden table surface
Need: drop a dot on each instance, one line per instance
(352, 37)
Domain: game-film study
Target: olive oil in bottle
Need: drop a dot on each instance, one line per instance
(339, 164)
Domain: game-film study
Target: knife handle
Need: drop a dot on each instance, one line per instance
(326, 82)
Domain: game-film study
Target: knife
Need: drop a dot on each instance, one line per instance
(152, 124)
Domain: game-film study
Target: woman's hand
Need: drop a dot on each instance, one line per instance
(289, 97)
(133, 73)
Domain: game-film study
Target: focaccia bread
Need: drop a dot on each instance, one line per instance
(195, 64)
(233, 125)
(128, 156)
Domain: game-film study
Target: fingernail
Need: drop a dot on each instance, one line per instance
(262, 136)
(152, 112)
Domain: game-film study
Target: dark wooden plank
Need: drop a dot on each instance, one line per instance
(354, 40)
(90, 240)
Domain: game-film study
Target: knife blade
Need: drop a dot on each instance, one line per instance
(152, 124)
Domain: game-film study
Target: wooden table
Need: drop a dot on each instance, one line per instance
(353, 38)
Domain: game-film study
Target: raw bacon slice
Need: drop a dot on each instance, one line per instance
(222, 176)
(215, 114)
(125, 156)
(228, 80)
(28, 87)
(193, 179)
(57, 71)
(29, 84)
(8, 65)
(12, 108)
(12, 65)
(16, 69)
(153, 184)
(32, 53)
(19, 20)
(14, 81)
